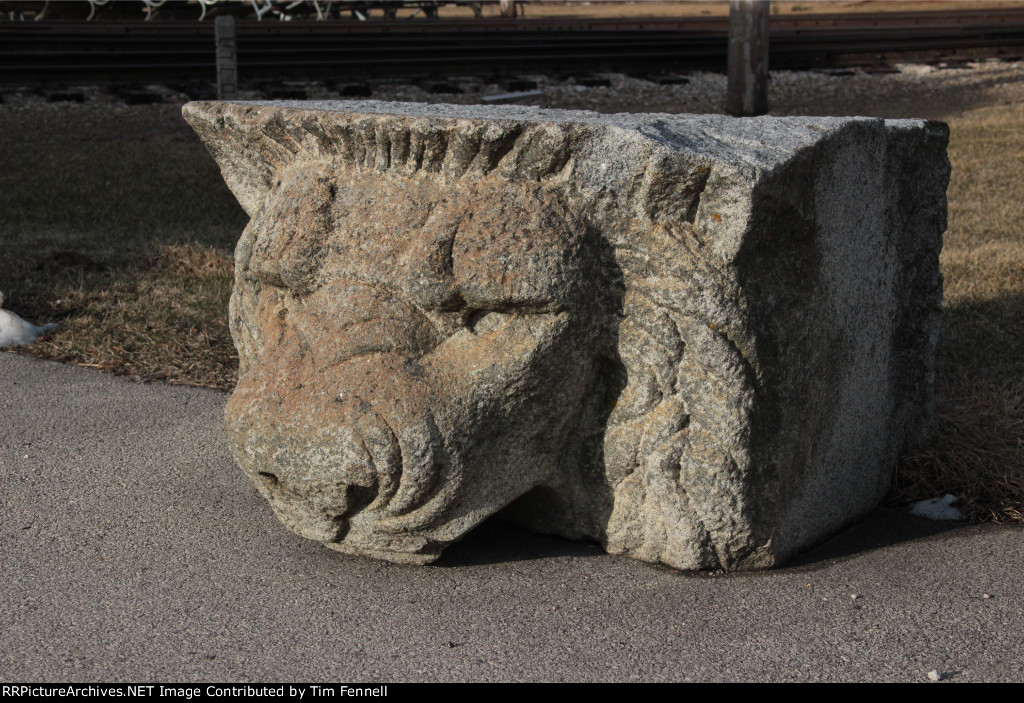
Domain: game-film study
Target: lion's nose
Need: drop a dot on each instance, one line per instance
(318, 485)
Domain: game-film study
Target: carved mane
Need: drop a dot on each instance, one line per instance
(253, 145)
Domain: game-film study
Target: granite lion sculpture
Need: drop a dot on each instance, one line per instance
(440, 318)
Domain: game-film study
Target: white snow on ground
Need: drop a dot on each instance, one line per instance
(937, 508)
(14, 330)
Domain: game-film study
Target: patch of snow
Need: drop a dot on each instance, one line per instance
(14, 330)
(937, 508)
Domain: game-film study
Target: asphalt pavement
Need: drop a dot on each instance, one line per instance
(133, 549)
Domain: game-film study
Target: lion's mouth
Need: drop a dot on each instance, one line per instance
(341, 464)
(323, 515)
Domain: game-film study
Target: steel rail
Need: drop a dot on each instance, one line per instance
(68, 52)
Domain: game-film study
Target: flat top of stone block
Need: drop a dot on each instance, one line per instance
(761, 142)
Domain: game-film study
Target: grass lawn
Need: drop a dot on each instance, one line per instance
(124, 236)
(979, 452)
(126, 243)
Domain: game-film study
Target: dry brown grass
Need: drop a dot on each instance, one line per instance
(125, 243)
(160, 319)
(978, 453)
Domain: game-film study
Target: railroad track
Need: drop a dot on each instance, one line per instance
(62, 52)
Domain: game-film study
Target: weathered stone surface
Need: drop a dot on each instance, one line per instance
(702, 341)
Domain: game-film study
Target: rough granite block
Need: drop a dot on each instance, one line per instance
(702, 341)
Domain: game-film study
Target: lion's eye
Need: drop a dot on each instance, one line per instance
(485, 321)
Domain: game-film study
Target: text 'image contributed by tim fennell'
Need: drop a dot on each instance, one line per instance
(188, 692)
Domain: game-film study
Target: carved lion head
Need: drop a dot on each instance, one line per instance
(437, 317)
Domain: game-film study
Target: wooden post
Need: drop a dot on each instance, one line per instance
(227, 57)
(747, 93)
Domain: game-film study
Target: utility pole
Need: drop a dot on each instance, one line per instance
(747, 93)
(227, 57)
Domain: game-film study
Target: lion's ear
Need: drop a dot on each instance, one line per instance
(249, 159)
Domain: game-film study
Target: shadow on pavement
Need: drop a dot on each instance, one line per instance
(881, 528)
(496, 542)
